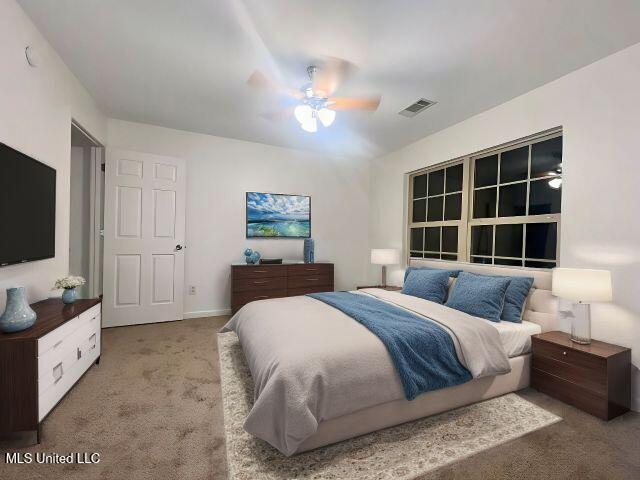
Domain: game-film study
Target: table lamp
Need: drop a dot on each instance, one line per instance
(582, 286)
(384, 257)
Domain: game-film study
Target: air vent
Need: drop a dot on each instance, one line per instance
(417, 107)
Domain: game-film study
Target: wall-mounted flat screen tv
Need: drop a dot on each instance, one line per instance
(276, 215)
(27, 208)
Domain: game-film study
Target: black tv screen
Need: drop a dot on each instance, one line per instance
(27, 208)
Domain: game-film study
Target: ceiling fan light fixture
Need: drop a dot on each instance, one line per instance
(555, 183)
(326, 116)
(303, 113)
(310, 125)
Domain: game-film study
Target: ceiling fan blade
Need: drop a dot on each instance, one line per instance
(278, 115)
(259, 80)
(347, 103)
(330, 75)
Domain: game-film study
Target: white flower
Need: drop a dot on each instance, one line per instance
(69, 281)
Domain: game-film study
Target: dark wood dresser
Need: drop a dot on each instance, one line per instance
(595, 378)
(38, 366)
(258, 282)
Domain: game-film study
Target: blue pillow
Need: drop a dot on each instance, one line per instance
(430, 284)
(515, 297)
(452, 273)
(479, 295)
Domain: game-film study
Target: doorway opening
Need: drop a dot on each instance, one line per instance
(86, 222)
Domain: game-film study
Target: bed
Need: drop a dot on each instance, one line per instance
(320, 377)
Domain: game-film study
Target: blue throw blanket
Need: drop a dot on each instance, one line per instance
(422, 351)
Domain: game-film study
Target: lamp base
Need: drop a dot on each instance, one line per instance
(581, 325)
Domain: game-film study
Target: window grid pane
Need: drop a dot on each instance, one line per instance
(511, 184)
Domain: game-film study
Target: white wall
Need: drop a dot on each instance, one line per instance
(36, 108)
(79, 217)
(598, 108)
(221, 170)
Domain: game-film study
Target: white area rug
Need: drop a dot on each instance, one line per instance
(402, 452)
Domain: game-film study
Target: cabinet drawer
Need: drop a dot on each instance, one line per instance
(310, 269)
(249, 284)
(293, 292)
(55, 338)
(309, 281)
(569, 393)
(250, 296)
(558, 352)
(259, 271)
(47, 399)
(591, 379)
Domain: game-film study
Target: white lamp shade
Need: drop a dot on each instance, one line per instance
(385, 256)
(582, 285)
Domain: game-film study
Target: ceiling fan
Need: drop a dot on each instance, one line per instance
(314, 101)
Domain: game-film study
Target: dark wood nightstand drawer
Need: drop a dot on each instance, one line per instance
(259, 271)
(309, 281)
(304, 290)
(570, 393)
(591, 379)
(595, 377)
(568, 355)
(266, 283)
(310, 269)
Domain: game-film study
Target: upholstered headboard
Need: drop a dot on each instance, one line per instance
(541, 307)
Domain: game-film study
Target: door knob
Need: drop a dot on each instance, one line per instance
(179, 247)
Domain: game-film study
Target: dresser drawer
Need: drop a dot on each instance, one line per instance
(255, 284)
(309, 281)
(293, 292)
(259, 271)
(54, 362)
(558, 352)
(55, 338)
(48, 398)
(570, 393)
(310, 269)
(591, 379)
(250, 296)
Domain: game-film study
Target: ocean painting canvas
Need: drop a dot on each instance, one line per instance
(275, 215)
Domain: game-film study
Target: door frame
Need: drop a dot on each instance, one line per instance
(96, 199)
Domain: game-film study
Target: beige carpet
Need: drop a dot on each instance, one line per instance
(399, 453)
(153, 409)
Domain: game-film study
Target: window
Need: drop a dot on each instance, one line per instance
(500, 207)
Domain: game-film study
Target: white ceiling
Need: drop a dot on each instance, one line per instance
(184, 64)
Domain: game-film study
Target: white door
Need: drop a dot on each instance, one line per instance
(143, 238)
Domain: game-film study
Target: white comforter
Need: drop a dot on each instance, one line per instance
(310, 362)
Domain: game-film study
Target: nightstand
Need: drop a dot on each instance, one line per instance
(595, 378)
(390, 288)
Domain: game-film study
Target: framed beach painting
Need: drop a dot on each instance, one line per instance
(276, 215)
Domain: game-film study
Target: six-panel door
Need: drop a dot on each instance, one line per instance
(144, 238)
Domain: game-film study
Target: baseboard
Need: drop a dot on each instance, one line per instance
(207, 313)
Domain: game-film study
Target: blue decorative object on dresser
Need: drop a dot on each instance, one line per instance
(69, 295)
(251, 256)
(430, 284)
(309, 250)
(479, 295)
(18, 315)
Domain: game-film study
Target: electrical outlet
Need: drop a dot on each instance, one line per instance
(192, 289)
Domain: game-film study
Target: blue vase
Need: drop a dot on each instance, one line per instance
(18, 315)
(69, 295)
(309, 248)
